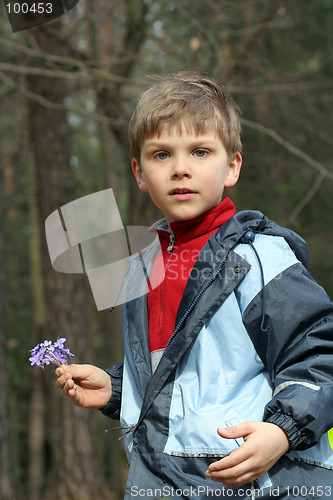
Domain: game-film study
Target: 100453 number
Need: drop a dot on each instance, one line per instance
(307, 492)
(24, 8)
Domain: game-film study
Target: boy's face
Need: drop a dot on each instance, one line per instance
(185, 174)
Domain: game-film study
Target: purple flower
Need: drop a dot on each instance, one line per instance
(48, 353)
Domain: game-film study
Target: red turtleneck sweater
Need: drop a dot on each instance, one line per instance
(172, 270)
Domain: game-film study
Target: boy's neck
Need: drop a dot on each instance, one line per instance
(225, 207)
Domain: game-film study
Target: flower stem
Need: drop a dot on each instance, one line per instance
(54, 361)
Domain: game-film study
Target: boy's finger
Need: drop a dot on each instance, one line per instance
(236, 431)
(77, 371)
(61, 370)
(70, 384)
(235, 458)
(75, 395)
(61, 381)
(72, 391)
(229, 473)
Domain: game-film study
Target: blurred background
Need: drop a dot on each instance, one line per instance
(67, 90)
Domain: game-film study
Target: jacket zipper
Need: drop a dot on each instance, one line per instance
(126, 346)
(170, 250)
(197, 297)
(171, 243)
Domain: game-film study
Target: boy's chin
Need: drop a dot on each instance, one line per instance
(172, 218)
(180, 219)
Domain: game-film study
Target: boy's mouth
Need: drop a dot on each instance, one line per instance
(183, 194)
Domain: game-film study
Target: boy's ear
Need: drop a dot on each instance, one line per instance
(233, 170)
(138, 174)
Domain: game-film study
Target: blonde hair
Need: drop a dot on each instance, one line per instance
(186, 99)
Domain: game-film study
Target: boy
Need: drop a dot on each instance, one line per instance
(227, 384)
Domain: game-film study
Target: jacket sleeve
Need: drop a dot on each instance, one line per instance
(112, 409)
(296, 346)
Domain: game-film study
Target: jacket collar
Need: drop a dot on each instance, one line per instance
(186, 230)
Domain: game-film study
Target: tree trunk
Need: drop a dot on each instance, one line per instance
(36, 467)
(111, 102)
(75, 470)
(8, 485)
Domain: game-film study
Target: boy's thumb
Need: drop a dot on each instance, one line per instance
(231, 432)
(75, 370)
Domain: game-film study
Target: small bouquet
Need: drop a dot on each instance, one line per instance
(48, 352)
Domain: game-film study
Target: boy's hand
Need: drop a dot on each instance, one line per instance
(264, 444)
(85, 385)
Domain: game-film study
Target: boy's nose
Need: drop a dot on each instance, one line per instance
(181, 169)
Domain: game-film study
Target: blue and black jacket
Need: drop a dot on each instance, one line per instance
(253, 341)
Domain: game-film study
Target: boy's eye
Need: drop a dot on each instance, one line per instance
(200, 153)
(162, 155)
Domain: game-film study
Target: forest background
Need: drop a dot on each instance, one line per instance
(67, 89)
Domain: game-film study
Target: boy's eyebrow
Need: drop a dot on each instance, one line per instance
(155, 144)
